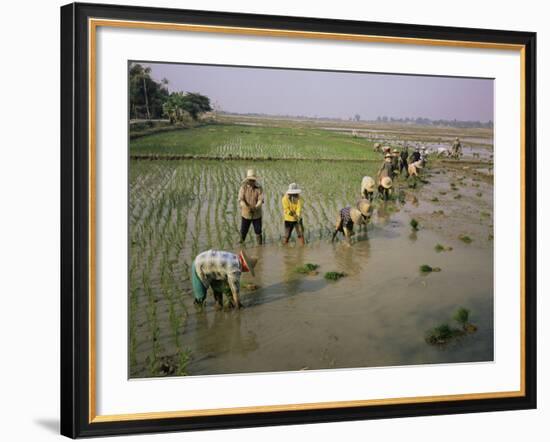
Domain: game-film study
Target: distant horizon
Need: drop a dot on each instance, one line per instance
(319, 117)
(335, 95)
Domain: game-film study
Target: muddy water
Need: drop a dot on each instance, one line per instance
(376, 316)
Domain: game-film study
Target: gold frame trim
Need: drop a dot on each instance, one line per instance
(93, 24)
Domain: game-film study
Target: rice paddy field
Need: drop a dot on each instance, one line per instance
(376, 315)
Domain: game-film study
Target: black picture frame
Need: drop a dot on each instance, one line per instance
(75, 220)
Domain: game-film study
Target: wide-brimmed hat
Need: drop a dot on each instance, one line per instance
(364, 207)
(293, 189)
(386, 182)
(250, 262)
(251, 175)
(368, 183)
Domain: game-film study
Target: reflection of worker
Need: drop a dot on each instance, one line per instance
(367, 188)
(220, 271)
(251, 198)
(292, 210)
(349, 216)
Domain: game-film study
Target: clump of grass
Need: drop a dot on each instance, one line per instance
(479, 194)
(307, 268)
(334, 276)
(490, 237)
(485, 214)
(440, 334)
(465, 239)
(441, 192)
(438, 212)
(441, 248)
(457, 196)
(435, 199)
(444, 333)
(462, 316)
(425, 268)
(414, 224)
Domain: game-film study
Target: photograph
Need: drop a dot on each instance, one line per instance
(284, 220)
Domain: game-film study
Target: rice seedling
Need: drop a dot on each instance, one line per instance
(462, 316)
(307, 268)
(425, 268)
(465, 239)
(334, 276)
(441, 248)
(435, 199)
(414, 224)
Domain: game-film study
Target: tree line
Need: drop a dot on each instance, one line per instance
(150, 99)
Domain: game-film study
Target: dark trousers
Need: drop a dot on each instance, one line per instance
(289, 227)
(245, 226)
(404, 166)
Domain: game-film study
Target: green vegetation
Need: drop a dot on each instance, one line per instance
(221, 141)
(440, 334)
(307, 268)
(462, 316)
(425, 268)
(435, 199)
(442, 248)
(334, 276)
(444, 333)
(414, 224)
(178, 209)
(465, 239)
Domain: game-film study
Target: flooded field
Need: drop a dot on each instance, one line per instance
(375, 316)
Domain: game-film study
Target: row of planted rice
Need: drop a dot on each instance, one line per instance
(179, 208)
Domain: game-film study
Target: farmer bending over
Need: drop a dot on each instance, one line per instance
(292, 211)
(349, 216)
(367, 188)
(220, 271)
(251, 198)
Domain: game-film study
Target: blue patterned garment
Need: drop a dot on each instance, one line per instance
(345, 215)
(216, 265)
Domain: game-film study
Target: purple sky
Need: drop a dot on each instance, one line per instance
(332, 94)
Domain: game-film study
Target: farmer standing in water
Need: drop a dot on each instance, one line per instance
(456, 149)
(292, 212)
(251, 199)
(220, 271)
(384, 176)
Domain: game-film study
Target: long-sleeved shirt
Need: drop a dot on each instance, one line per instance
(251, 198)
(385, 170)
(216, 265)
(292, 210)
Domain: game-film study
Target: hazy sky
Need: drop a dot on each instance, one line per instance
(332, 94)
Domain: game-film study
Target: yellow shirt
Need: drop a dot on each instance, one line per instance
(292, 210)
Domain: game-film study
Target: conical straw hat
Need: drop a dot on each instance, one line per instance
(386, 182)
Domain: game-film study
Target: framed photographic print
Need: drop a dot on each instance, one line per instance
(274, 220)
